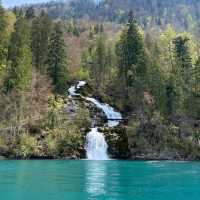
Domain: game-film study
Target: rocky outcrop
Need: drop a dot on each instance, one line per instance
(117, 140)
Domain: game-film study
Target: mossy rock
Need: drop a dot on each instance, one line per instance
(86, 90)
(117, 142)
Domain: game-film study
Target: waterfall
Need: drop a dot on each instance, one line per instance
(72, 90)
(96, 146)
(112, 116)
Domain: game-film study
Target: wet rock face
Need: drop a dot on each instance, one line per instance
(117, 140)
(97, 116)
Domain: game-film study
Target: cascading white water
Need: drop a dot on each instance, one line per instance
(112, 116)
(96, 146)
(72, 90)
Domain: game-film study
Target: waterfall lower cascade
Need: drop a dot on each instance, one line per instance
(96, 146)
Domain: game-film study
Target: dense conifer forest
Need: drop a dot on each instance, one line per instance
(142, 57)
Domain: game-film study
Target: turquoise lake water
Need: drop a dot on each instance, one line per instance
(99, 180)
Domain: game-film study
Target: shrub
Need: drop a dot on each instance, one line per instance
(27, 146)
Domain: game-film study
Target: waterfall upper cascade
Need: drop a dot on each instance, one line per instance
(96, 146)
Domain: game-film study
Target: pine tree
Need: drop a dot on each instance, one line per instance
(30, 13)
(2, 29)
(182, 57)
(19, 12)
(19, 57)
(40, 34)
(131, 59)
(98, 63)
(57, 59)
(2, 19)
(179, 89)
(197, 77)
(175, 98)
(194, 110)
(184, 69)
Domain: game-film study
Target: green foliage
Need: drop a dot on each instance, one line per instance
(57, 59)
(19, 57)
(174, 95)
(194, 104)
(197, 77)
(27, 146)
(55, 106)
(40, 35)
(183, 70)
(182, 14)
(30, 13)
(98, 61)
(152, 77)
(131, 61)
(182, 57)
(64, 136)
(2, 19)
(2, 32)
(73, 29)
(83, 74)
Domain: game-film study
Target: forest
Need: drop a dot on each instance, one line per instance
(183, 14)
(141, 58)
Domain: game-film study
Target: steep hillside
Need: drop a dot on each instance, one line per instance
(183, 14)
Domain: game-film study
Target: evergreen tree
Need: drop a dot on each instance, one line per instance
(131, 59)
(99, 63)
(19, 12)
(19, 57)
(175, 98)
(30, 13)
(183, 70)
(2, 32)
(57, 59)
(182, 57)
(101, 29)
(197, 77)
(41, 31)
(194, 110)
(2, 19)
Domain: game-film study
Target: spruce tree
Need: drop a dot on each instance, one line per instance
(131, 59)
(2, 19)
(197, 77)
(195, 99)
(183, 70)
(183, 58)
(2, 32)
(30, 13)
(19, 57)
(40, 34)
(98, 63)
(57, 64)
